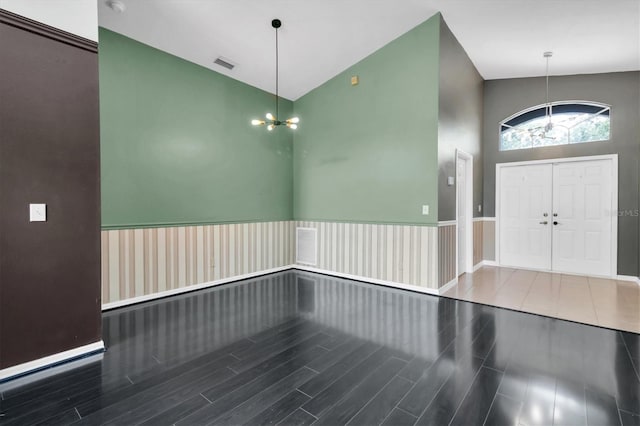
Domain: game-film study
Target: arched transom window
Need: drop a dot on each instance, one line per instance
(556, 123)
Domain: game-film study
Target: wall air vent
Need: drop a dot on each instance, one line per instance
(306, 252)
(224, 63)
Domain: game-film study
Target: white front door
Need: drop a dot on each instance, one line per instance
(558, 216)
(525, 216)
(461, 183)
(582, 193)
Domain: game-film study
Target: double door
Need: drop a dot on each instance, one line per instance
(557, 216)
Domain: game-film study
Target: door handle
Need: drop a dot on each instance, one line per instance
(545, 222)
(555, 222)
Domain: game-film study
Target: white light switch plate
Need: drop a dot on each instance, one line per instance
(425, 209)
(37, 212)
(451, 180)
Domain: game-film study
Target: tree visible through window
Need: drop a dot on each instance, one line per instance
(557, 123)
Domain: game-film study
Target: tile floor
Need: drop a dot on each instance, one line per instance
(603, 302)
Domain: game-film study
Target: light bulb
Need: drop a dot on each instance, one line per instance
(293, 120)
(270, 116)
(292, 126)
(270, 127)
(257, 122)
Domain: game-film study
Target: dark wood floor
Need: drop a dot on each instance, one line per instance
(298, 348)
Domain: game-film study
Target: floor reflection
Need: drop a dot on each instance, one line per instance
(446, 361)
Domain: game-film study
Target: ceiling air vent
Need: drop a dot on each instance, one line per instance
(224, 63)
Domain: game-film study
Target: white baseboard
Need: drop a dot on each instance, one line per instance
(16, 371)
(447, 222)
(484, 219)
(368, 280)
(175, 291)
(51, 371)
(448, 286)
(628, 278)
(484, 263)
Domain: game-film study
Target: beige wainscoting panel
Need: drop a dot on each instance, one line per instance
(446, 254)
(397, 253)
(489, 240)
(478, 241)
(141, 262)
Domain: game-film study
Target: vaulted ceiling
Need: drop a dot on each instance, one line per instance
(320, 38)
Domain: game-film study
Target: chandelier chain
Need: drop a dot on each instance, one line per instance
(547, 73)
(277, 74)
(548, 55)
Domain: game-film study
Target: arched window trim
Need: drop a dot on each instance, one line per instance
(507, 123)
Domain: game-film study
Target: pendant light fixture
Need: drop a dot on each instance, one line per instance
(545, 132)
(272, 120)
(549, 108)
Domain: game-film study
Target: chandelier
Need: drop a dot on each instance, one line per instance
(272, 120)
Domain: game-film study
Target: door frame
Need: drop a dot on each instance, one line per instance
(468, 186)
(614, 199)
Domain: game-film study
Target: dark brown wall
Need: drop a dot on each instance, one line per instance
(49, 153)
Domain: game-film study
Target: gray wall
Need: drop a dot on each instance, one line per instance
(620, 90)
(459, 121)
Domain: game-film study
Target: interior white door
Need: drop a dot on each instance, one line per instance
(525, 216)
(461, 183)
(582, 193)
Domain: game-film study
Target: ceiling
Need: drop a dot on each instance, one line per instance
(321, 38)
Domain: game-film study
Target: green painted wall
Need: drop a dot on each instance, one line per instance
(369, 153)
(177, 146)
